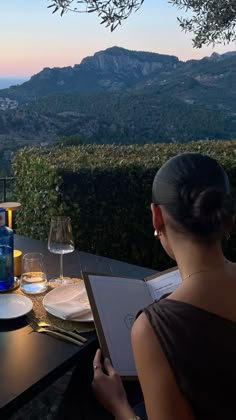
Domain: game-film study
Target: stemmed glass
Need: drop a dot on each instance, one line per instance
(60, 241)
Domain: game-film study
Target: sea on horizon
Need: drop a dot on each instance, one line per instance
(6, 82)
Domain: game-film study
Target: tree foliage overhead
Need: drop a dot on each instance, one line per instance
(112, 12)
(210, 21)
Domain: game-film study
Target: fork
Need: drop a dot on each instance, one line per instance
(37, 323)
(54, 332)
(62, 330)
(57, 335)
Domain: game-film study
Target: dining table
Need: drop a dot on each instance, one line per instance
(30, 361)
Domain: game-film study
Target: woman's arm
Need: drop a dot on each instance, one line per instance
(163, 399)
(109, 390)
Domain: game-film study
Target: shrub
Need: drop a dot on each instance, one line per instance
(106, 190)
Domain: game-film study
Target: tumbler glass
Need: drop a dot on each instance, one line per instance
(33, 277)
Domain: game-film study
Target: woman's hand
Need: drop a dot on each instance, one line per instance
(108, 388)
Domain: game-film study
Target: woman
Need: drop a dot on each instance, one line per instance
(185, 344)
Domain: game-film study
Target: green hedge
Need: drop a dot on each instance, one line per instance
(106, 190)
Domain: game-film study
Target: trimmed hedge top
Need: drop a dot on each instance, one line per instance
(74, 158)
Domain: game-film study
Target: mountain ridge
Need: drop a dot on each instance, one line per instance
(116, 52)
(123, 96)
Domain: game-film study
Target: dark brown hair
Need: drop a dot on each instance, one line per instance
(194, 190)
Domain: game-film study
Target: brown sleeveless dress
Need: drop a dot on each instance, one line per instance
(201, 349)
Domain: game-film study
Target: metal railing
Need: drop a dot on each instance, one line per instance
(7, 188)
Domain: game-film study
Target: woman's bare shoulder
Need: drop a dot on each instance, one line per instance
(141, 327)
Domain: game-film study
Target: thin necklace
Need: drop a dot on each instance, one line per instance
(202, 271)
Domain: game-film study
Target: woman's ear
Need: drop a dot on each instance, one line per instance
(157, 219)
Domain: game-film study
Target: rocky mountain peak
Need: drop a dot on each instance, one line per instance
(119, 60)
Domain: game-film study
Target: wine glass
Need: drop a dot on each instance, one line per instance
(60, 241)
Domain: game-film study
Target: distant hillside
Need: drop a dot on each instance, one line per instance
(122, 96)
(113, 69)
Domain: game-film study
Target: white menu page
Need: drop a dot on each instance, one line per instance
(164, 284)
(118, 301)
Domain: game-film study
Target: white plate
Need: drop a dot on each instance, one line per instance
(65, 292)
(13, 305)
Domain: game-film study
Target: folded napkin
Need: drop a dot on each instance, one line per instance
(72, 307)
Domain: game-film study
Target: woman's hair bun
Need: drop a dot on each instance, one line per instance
(208, 202)
(210, 210)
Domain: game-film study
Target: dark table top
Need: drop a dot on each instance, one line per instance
(30, 362)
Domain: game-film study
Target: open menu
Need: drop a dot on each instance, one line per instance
(115, 303)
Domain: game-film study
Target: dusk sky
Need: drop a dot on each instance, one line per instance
(33, 38)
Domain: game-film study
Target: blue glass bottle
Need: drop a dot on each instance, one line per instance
(6, 254)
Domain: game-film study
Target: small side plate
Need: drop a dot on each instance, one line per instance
(13, 306)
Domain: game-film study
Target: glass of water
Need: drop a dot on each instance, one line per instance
(33, 277)
(60, 241)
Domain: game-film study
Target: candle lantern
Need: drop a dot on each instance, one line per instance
(9, 208)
